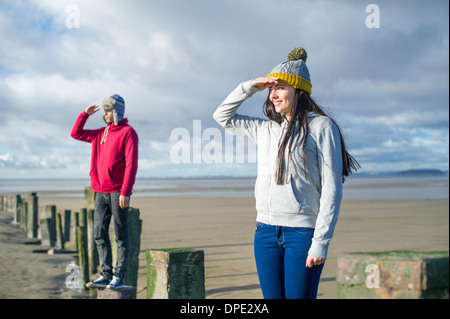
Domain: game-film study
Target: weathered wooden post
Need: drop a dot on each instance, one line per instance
(135, 229)
(67, 218)
(92, 247)
(83, 217)
(32, 216)
(83, 257)
(177, 273)
(6, 203)
(50, 212)
(76, 223)
(89, 197)
(393, 275)
(59, 232)
(131, 277)
(82, 220)
(17, 204)
(24, 215)
(47, 227)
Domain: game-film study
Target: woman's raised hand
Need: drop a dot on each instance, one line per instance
(264, 82)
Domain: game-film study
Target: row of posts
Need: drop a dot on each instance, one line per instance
(64, 232)
(171, 273)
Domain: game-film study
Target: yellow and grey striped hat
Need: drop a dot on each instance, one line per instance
(294, 71)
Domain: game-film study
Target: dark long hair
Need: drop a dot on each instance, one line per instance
(296, 135)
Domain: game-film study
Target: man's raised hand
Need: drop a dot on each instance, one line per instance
(91, 109)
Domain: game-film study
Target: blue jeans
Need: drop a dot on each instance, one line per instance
(280, 255)
(107, 205)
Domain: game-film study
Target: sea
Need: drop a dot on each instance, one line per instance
(355, 187)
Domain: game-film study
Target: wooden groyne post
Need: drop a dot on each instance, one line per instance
(17, 204)
(76, 223)
(67, 222)
(177, 273)
(83, 256)
(89, 199)
(47, 226)
(32, 216)
(134, 231)
(92, 247)
(59, 231)
(393, 275)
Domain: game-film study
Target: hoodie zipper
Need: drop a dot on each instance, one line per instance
(283, 127)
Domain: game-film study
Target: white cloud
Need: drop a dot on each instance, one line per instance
(174, 61)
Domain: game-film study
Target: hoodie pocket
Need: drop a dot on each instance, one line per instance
(282, 198)
(106, 179)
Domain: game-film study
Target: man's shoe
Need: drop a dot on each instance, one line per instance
(116, 282)
(100, 282)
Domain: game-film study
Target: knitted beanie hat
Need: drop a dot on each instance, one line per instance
(116, 103)
(294, 71)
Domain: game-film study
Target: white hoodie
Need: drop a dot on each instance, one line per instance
(299, 202)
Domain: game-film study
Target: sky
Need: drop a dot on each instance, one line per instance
(379, 68)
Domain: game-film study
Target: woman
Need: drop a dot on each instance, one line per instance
(302, 163)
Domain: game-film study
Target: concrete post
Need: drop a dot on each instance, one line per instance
(177, 273)
(393, 275)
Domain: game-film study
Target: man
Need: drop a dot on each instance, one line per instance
(114, 162)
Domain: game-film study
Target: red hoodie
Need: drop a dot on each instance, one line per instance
(114, 158)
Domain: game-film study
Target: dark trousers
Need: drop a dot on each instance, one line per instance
(107, 205)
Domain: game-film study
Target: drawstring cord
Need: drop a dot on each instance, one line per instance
(105, 133)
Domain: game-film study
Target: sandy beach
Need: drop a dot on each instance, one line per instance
(223, 227)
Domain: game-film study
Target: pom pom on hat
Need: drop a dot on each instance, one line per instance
(294, 71)
(297, 53)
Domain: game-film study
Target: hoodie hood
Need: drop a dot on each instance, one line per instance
(113, 127)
